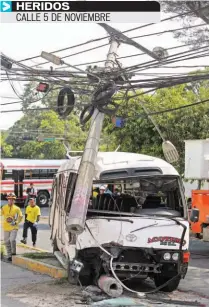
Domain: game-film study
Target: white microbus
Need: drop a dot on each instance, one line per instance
(142, 224)
(18, 174)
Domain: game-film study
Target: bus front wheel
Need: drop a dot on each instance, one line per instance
(42, 199)
(170, 286)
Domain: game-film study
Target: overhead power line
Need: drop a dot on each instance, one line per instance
(153, 113)
(179, 108)
(129, 56)
(105, 37)
(168, 31)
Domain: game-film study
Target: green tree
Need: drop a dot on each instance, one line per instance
(45, 124)
(38, 123)
(140, 136)
(196, 12)
(6, 149)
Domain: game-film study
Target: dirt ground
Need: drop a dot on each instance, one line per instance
(51, 294)
(60, 293)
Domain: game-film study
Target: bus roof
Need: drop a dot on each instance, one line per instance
(122, 160)
(31, 164)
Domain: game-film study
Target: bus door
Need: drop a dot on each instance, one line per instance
(18, 176)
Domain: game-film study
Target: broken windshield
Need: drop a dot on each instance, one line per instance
(159, 195)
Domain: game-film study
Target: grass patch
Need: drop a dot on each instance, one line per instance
(39, 256)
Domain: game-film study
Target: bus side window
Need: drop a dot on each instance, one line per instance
(27, 174)
(7, 174)
(43, 173)
(51, 173)
(35, 174)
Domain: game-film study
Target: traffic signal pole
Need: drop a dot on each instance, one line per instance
(83, 189)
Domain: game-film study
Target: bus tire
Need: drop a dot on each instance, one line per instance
(43, 198)
(171, 286)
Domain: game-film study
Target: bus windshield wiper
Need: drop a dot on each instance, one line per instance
(144, 227)
(113, 218)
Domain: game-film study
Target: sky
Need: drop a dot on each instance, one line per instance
(20, 41)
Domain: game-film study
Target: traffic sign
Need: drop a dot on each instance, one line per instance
(49, 139)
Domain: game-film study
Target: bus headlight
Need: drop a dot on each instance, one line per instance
(175, 256)
(167, 256)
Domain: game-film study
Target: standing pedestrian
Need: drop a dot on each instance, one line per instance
(31, 192)
(32, 217)
(12, 217)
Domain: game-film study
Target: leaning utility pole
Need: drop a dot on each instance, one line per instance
(77, 216)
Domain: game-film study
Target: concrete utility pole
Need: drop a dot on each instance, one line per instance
(77, 216)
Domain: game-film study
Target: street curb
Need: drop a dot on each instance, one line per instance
(39, 267)
(25, 246)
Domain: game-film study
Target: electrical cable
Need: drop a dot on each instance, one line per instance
(173, 57)
(152, 113)
(22, 65)
(172, 109)
(35, 109)
(105, 37)
(144, 108)
(21, 97)
(168, 31)
(86, 114)
(178, 80)
(179, 59)
(106, 110)
(140, 294)
(133, 55)
(83, 91)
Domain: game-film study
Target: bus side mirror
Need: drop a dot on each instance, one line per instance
(194, 217)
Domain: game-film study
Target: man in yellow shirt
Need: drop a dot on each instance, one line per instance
(12, 217)
(32, 217)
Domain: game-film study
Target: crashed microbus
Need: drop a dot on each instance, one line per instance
(138, 230)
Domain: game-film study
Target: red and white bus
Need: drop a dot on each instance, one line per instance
(16, 175)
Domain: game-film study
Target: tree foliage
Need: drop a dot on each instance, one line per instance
(196, 12)
(6, 149)
(139, 134)
(45, 124)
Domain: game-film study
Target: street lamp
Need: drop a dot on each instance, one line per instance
(58, 61)
(51, 58)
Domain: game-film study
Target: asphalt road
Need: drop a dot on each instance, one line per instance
(43, 241)
(196, 282)
(11, 277)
